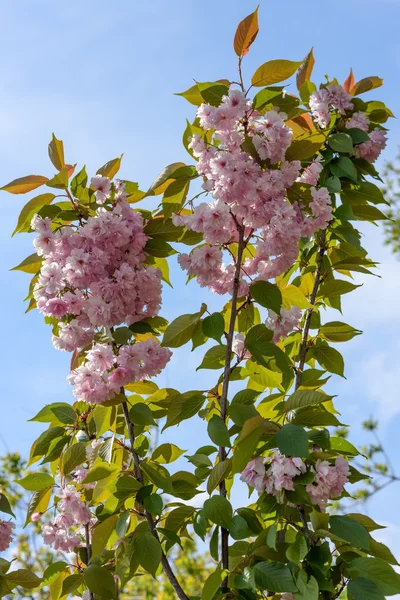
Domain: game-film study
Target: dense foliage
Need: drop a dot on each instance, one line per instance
(286, 178)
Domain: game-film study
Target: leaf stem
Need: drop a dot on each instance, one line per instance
(150, 521)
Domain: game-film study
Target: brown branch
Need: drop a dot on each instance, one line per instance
(150, 521)
(225, 387)
(304, 339)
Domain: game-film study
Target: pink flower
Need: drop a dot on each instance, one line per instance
(254, 474)
(6, 530)
(284, 323)
(36, 516)
(239, 348)
(56, 307)
(102, 185)
(311, 174)
(359, 120)
(371, 149)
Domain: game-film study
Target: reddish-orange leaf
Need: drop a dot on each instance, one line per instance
(74, 360)
(305, 121)
(71, 169)
(365, 85)
(305, 70)
(349, 81)
(246, 33)
(22, 185)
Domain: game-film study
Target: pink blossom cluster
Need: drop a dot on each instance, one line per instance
(332, 96)
(248, 194)
(72, 512)
(371, 149)
(277, 477)
(239, 348)
(103, 373)
(94, 275)
(329, 481)
(275, 474)
(311, 173)
(6, 531)
(284, 323)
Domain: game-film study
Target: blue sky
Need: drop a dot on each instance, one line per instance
(103, 80)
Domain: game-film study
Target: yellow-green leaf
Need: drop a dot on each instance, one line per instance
(274, 71)
(111, 168)
(24, 184)
(30, 209)
(56, 153)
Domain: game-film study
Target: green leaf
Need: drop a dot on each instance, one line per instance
(154, 504)
(218, 510)
(330, 359)
(122, 335)
(73, 456)
(214, 358)
(56, 153)
(298, 549)
(141, 414)
(60, 180)
(31, 264)
(366, 191)
(212, 92)
(379, 550)
(211, 585)
(364, 212)
(5, 505)
(343, 446)
(308, 590)
(302, 149)
(246, 443)
(344, 167)
(274, 577)
(180, 331)
(362, 589)
(167, 453)
(192, 95)
(378, 571)
(53, 570)
(159, 248)
(365, 521)
(100, 471)
(101, 534)
(24, 578)
(292, 440)
(213, 326)
(71, 584)
(218, 474)
(35, 482)
(111, 168)
(218, 431)
(30, 209)
(148, 552)
(335, 331)
(23, 185)
(303, 398)
(341, 142)
(365, 85)
(267, 294)
(349, 530)
(274, 71)
(38, 503)
(184, 407)
(158, 475)
(100, 581)
(336, 287)
(358, 136)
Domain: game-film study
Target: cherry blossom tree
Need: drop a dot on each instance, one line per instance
(284, 179)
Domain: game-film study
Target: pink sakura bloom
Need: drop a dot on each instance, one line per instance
(80, 474)
(59, 539)
(329, 481)
(371, 149)
(6, 531)
(239, 348)
(75, 302)
(321, 208)
(71, 336)
(102, 185)
(311, 174)
(36, 516)
(284, 323)
(120, 377)
(45, 244)
(98, 311)
(56, 307)
(119, 187)
(101, 357)
(319, 106)
(338, 98)
(359, 120)
(50, 277)
(275, 137)
(254, 474)
(63, 520)
(281, 473)
(41, 225)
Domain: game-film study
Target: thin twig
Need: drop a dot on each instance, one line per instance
(150, 521)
